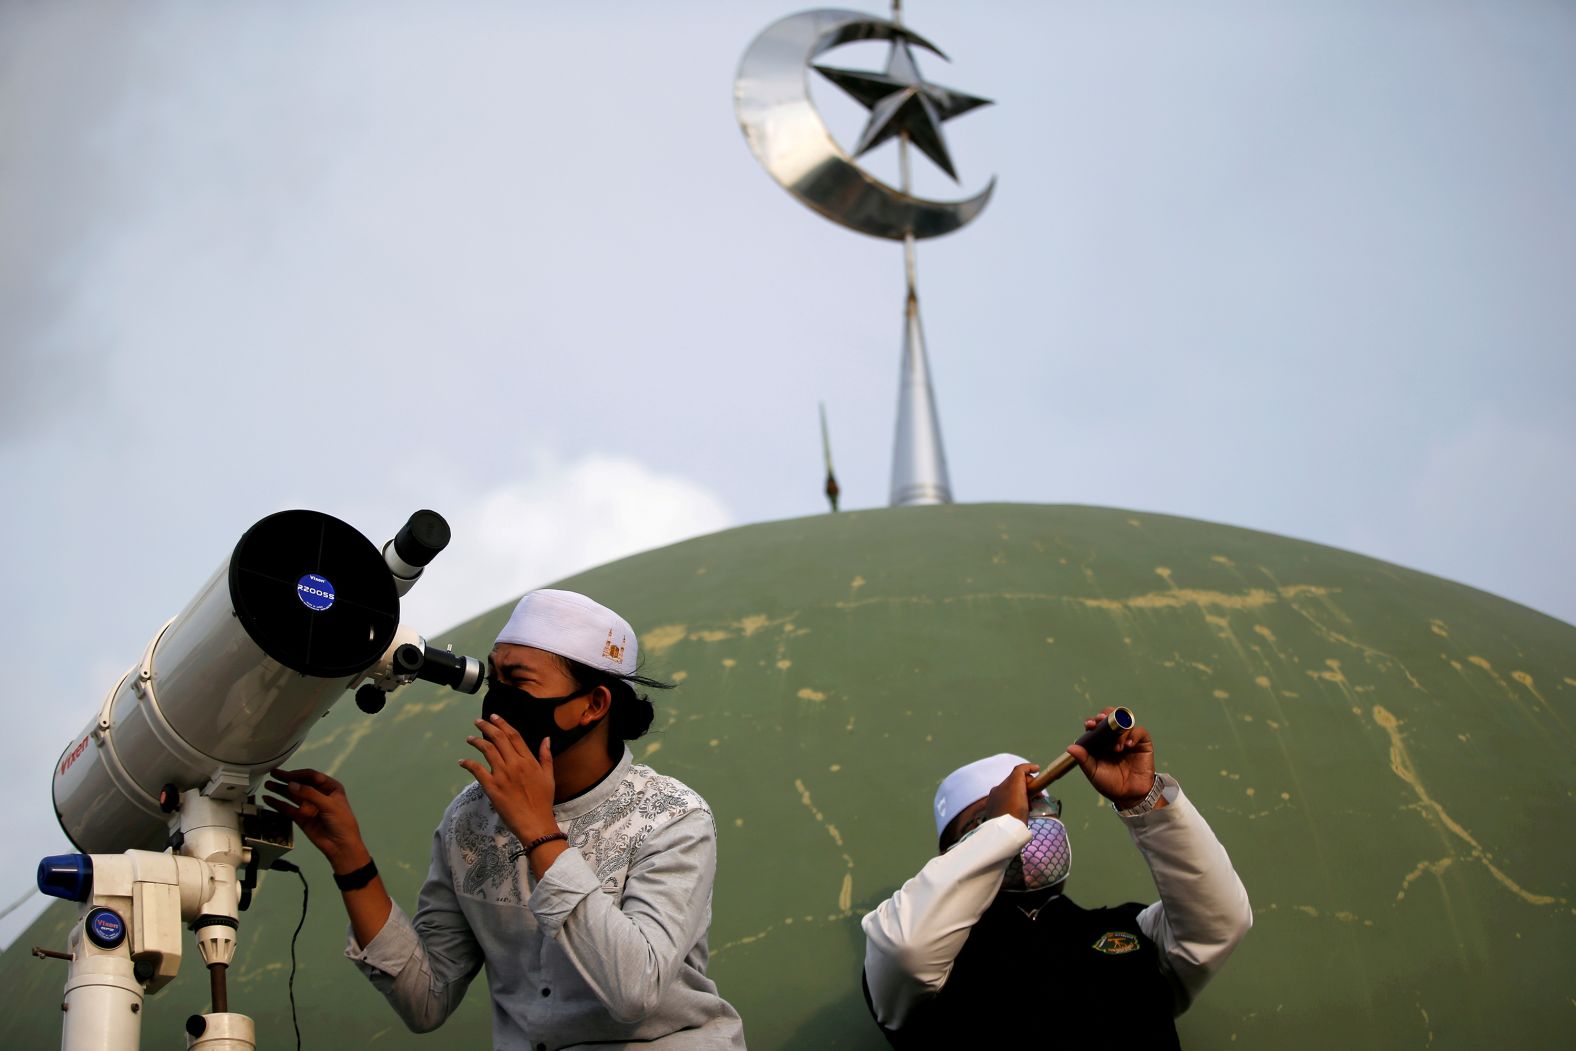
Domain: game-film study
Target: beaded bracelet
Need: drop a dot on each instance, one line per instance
(525, 851)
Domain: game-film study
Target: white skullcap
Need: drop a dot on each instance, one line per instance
(969, 783)
(573, 626)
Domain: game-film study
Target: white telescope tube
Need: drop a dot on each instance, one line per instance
(303, 605)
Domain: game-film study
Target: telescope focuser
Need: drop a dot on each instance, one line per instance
(446, 668)
(418, 660)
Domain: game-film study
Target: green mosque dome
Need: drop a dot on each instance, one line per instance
(1385, 755)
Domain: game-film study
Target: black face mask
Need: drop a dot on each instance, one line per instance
(532, 717)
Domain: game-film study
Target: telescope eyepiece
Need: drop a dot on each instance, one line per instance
(455, 670)
(421, 539)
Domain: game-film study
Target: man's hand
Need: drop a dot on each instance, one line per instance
(318, 806)
(519, 784)
(1012, 795)
(1126, 773)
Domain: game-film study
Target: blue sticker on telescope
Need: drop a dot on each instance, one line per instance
(315, 592)
(106, 928)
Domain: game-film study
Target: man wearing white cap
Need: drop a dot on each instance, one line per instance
(581, 879)
(984, 944)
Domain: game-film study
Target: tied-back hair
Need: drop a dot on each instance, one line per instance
(631, 714)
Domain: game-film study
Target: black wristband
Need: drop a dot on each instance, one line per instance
(357, 879)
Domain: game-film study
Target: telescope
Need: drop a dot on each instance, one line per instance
(1100, 739)
(156, 792)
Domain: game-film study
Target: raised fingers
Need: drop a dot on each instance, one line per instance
(486, 748)
(481, 773)
(1095, 720)
(297, 813)
(308, 776)
(303, 793)
(499, 732)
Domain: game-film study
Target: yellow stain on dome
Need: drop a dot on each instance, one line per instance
(410, 711)
(1401, 764)
(358, 732)
(846, 890)
(659, 639)
(1178, 598)
(1434, 867)
(1332, 672)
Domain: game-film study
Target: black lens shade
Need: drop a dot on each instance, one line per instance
(313, 593)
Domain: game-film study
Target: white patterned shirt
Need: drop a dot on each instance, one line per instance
(608, 948)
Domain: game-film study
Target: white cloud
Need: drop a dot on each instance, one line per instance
(556, 518)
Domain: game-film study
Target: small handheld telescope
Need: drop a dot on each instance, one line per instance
(1100, 739)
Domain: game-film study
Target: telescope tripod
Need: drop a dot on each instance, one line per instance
(127, 942)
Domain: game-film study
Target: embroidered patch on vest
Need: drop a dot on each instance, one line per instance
(1115, 943)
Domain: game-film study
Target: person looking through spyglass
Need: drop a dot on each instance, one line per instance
(984, 943)
(581, 879)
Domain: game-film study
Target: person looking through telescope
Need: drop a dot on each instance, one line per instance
(581, 879)
(983, 943)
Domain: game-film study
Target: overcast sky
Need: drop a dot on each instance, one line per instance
(1308, 267)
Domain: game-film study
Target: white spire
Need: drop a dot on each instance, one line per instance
(919, 463)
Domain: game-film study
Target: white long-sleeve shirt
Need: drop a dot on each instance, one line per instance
(912, 938)
(607, 948)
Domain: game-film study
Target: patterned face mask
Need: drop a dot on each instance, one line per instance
(1046, 859)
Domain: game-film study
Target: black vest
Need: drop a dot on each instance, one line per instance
(1056, 977)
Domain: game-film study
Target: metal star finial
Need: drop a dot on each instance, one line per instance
(902, 100)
